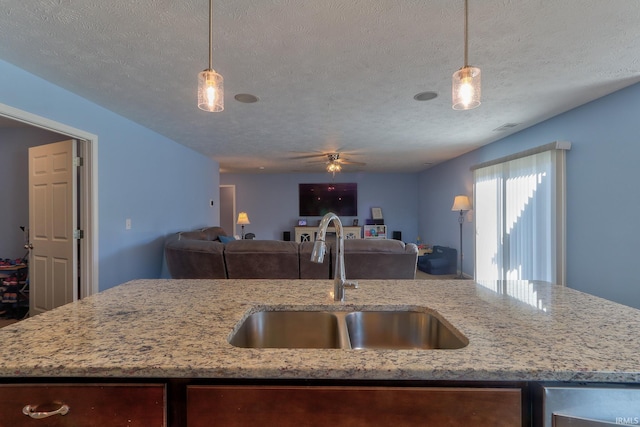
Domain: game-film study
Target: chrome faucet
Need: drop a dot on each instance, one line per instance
(320, 247)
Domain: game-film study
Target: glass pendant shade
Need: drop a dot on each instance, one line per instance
(466, 88)
(210, 91)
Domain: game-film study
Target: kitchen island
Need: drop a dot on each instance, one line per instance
(147, 330)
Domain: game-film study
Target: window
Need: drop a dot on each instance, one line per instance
(519, 204)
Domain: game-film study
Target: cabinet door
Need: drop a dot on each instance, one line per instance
(89, 405)
(352, 406)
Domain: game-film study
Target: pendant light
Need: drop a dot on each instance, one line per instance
(210, 83)
(465, 90)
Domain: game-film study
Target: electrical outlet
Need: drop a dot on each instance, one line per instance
(211, 202)
(127, 224)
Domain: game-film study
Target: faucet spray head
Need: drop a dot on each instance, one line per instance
(319, 249)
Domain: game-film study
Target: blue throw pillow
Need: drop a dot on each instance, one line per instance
(226, 239)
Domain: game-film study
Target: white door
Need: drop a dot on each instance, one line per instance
(52, 221)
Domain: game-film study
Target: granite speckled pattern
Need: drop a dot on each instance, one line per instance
(180, 329)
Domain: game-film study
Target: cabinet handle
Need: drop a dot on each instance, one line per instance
(31, 412)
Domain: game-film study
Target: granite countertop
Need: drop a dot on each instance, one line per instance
(180, 329)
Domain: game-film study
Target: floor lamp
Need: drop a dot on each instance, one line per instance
(461, 203)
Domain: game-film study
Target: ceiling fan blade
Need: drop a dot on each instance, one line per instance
(307, 156)
(349, 162)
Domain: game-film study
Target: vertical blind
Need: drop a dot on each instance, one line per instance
(519, 216)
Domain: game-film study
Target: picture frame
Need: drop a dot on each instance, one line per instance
(302, 223)
(355, 222)
(376, 213)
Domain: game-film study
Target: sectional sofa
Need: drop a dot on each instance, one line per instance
(210, 254)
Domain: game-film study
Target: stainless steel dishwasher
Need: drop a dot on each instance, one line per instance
(590, 406)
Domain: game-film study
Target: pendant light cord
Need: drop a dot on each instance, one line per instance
(211, 34)
(466, 32)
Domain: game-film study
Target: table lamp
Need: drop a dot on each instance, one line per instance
(242, 220)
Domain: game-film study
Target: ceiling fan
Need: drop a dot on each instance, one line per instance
(333, 161)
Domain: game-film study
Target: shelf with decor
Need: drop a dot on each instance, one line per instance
(308, 234)
(378, 231)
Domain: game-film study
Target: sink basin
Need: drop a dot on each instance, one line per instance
(288, 329)
(374, 329)
(400, 330)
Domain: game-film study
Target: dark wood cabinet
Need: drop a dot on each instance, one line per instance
(89, 405)
(353, 406)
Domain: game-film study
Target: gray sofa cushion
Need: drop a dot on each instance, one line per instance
(213, 233)
(190, 258)
(363, 260)
(313, 270)
(262, 259)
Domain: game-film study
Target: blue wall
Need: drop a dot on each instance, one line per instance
(602, 198)
(271, 200)
(161, 185)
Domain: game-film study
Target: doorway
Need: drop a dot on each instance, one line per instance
(228, 208)
(87, 193)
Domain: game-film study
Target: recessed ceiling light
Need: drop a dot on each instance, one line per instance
(425, 96)
(246, 98)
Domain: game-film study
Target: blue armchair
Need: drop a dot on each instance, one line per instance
(442, 260)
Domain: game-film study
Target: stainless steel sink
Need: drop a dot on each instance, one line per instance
(288, 329)
(400, 330)
(368, 329)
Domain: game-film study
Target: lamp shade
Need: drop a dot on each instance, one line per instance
(461, 203)
(243, 218)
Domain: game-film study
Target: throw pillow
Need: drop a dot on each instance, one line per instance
(226, 239)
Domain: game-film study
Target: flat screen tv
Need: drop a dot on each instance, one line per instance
(318, 199)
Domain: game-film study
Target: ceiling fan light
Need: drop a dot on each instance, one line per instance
(210, 91)
(334, 167)
(466, 88)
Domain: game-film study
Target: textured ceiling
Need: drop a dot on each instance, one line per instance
(330, 74)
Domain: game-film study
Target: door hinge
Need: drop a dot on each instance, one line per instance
(77, 161)
(78, 234)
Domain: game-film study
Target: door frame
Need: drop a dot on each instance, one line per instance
(233, 214)
(88, 192)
